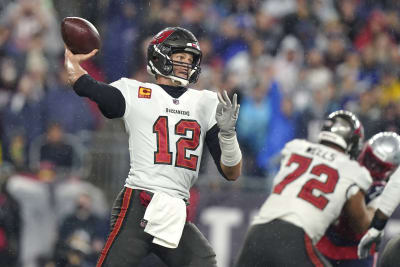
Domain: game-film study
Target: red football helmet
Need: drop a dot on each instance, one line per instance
(381, 155)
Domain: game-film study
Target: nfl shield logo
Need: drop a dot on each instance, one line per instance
(175, 101)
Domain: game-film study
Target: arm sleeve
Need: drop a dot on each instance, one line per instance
(109, 99)
(390, 198)
(212, 142)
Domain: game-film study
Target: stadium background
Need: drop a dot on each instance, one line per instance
(290, 61)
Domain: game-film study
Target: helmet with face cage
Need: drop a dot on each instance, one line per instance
(167, 42)
(343, 129)
(381, 155)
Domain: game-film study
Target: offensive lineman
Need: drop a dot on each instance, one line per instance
(315, 182)
(168, 125)
(381, 156)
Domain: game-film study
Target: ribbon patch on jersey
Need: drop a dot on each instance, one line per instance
(144, 92)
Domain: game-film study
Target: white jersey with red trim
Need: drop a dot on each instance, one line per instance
(312, 187)
(166, 135)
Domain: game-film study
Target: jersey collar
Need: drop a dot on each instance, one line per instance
(174, 91)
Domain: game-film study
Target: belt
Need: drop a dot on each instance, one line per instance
(145, 197)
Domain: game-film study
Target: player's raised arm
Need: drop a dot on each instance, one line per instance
(226, 116)
(109, 99)
(73, 66)
(388, 202)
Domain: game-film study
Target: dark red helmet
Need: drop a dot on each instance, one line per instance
(167, 42)
(381, 155)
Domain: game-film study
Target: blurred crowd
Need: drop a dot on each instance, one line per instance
(290, 61)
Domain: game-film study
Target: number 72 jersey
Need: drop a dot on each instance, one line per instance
(312, 186)
(166, 135)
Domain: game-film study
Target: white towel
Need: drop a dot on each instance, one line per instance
(166, 217)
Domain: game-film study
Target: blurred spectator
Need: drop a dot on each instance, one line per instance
(81, 236)
(35, 195)
(193, 15)
(375, 24)
(10, 221)
(349, 15)
(56, 150)
(302, 24)
(369, 71)
(120, 40)
(393, 24)
(256, 112)
(75, 115)
(65, 151)
(390, 118)
(17, 151)
(26, 18)
(268, 30)
(390, 86)
(22, 117)
(68, 191)
(248, 63)
(336, 52)
(281, 129)
(288, 63)
(350, 67)
(8, 79)
(279, 8)
(229, 42)
(369, 112)
(89, 9)
(317, 75)
(310, 119)
(325, 10)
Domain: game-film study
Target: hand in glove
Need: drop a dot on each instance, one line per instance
(373, 236)
(227, 114)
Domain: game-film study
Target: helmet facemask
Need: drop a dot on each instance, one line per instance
(167, 43)
(381, 155)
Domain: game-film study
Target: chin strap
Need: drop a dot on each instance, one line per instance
(176, 80)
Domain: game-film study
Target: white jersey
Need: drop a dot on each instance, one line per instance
(166, 135)
(312, 187)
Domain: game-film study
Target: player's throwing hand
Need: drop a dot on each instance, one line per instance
(227, 114)
(72, 64)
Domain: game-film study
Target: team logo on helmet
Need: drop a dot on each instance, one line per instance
(161, 36)
(381, 155)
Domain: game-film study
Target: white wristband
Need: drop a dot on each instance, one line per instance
(390, 197)
(230, 150)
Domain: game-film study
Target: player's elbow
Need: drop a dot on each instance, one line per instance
(232, 177)
(232, 173)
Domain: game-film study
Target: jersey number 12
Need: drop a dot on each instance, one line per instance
(163, 155)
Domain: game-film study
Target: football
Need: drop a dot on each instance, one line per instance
(79, 35)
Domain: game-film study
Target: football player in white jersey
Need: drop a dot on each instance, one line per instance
(168, 126)
(381, 156)
(315, 183)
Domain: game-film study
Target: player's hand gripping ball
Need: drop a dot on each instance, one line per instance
(79, 35)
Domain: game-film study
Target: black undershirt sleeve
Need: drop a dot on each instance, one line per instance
(212, 142)
(109, 99)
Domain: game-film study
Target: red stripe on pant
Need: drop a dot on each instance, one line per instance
(311, 253)
(117, 226)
